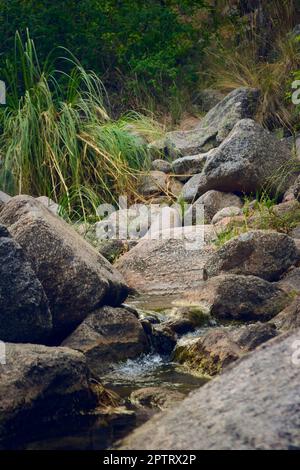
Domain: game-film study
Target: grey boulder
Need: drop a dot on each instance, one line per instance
(40, 385)
(248, 160)
(212, 202)
(24, 308)
(215, 126)
(161, 264)
(259, 253)
(107, 336)
(242, 298)
(75, 277)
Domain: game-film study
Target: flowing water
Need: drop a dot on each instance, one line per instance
(152, 370)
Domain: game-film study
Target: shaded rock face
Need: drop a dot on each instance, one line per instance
(210, 353)
(153, 183)
(216, 125)
(75, 277)
(236, 297)
(39, 385)
(213, 202)
(209, 98)
(215, 350)
(248, 407)
(259, 253)
(108, 336)
(247, 160)
(156, 397)
(24, 309)
(161, 165)
(163, 339)
(168, 265)
(291, 280)
(188, 166)
(249, 337)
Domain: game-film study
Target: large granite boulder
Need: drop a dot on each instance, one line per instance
(40, 385)
(24, 310)
(214, 127)
(254, 405)
(259, 253)
(75, 277)
(170, 262)
(107, 336)
(248, 160)
(242, 298)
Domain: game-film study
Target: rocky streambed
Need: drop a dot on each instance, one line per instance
(91, 350)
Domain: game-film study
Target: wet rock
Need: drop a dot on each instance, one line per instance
(259, 253)
(248, 407)
(247, 160)
(214, 128)
(161, 165)
(210, 353)
(244, 298)
(156, 397)
(107, 336)
(213, 202)
(39, 386)
(185, 167)
(163, 339)
(226, 213)
(75, 277)
(180, 326)
(170, 263)
(24, 309)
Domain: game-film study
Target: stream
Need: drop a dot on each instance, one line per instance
(151, 370)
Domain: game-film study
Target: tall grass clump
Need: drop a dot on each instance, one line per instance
(58, 139)
(261, 56)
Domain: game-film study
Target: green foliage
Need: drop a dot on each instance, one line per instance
(61, 142)
(154, 43)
